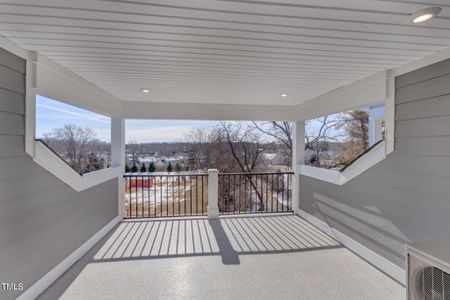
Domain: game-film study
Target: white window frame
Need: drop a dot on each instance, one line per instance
(376, 89)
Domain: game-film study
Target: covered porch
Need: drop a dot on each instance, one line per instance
(314, 233)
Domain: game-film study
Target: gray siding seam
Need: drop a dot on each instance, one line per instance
(419, 136)
(28, 174)
(12, 112)
(11, 91)
(12, 134)
(12, 69)
(420, 81)
(383, 247)
(361, 220)
(424, 174)
(425, 117)
(421, 99)
(422, 155)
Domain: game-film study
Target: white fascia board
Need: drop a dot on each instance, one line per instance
(59, 83)
(56, 166)
(367, 91)
(422, 62)
(370, 159)
(200, 111)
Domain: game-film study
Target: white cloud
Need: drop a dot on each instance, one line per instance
(85, 116)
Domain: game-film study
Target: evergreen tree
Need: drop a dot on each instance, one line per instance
(151, 167)
(177, 167)
(169, 168)
(127, 168)
(143, 168)
(134, 168)
(192, 159)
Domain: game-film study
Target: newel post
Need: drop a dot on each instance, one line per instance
(213, 194)
(298, 158)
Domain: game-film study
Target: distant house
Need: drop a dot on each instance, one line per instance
(146, 160)
(276, 158)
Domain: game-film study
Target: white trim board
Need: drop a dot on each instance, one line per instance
(59, 83)
(55, 165)
(373, 258)
(45, 281)
(368, 160)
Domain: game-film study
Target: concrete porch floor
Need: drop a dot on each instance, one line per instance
(236, 257)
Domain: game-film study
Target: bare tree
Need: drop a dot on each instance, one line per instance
(199, 149)
(281, 131)
(244, 145)
(356, 125)
(134, 147)
(314, 140)
(77, 143)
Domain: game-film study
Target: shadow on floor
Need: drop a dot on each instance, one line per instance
(228, 237)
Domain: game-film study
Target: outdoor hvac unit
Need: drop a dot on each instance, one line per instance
(428, 271)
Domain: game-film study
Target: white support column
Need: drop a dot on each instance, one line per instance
(118, 158)
(298, 158)
(213, 194)
(30, 105)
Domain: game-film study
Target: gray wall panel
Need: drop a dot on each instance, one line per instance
(11, 145)
(436, 126)
(42, 220)
(12, 124)
(431, 107)
(11, 102)
(12, 61)
(406, 197)
(12, 80)
(433, 87)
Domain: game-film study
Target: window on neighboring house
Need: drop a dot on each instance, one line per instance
(81, 138)
(335, 141)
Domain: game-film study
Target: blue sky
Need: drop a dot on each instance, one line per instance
(51, 114)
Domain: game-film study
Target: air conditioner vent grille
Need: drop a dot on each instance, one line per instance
(430, 283)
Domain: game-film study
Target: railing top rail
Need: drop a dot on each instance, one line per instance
(163, 175)
(203, 174)
(258, 173)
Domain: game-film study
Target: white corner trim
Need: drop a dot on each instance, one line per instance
(45, 281)
(368, 160)
(55, 165)
(389, 118)
(375, 259)
(30, 103)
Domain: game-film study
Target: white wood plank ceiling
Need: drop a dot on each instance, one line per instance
(225, 51)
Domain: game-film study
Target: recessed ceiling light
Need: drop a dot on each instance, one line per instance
(145, 90)
(284, 95)
(425, 15)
